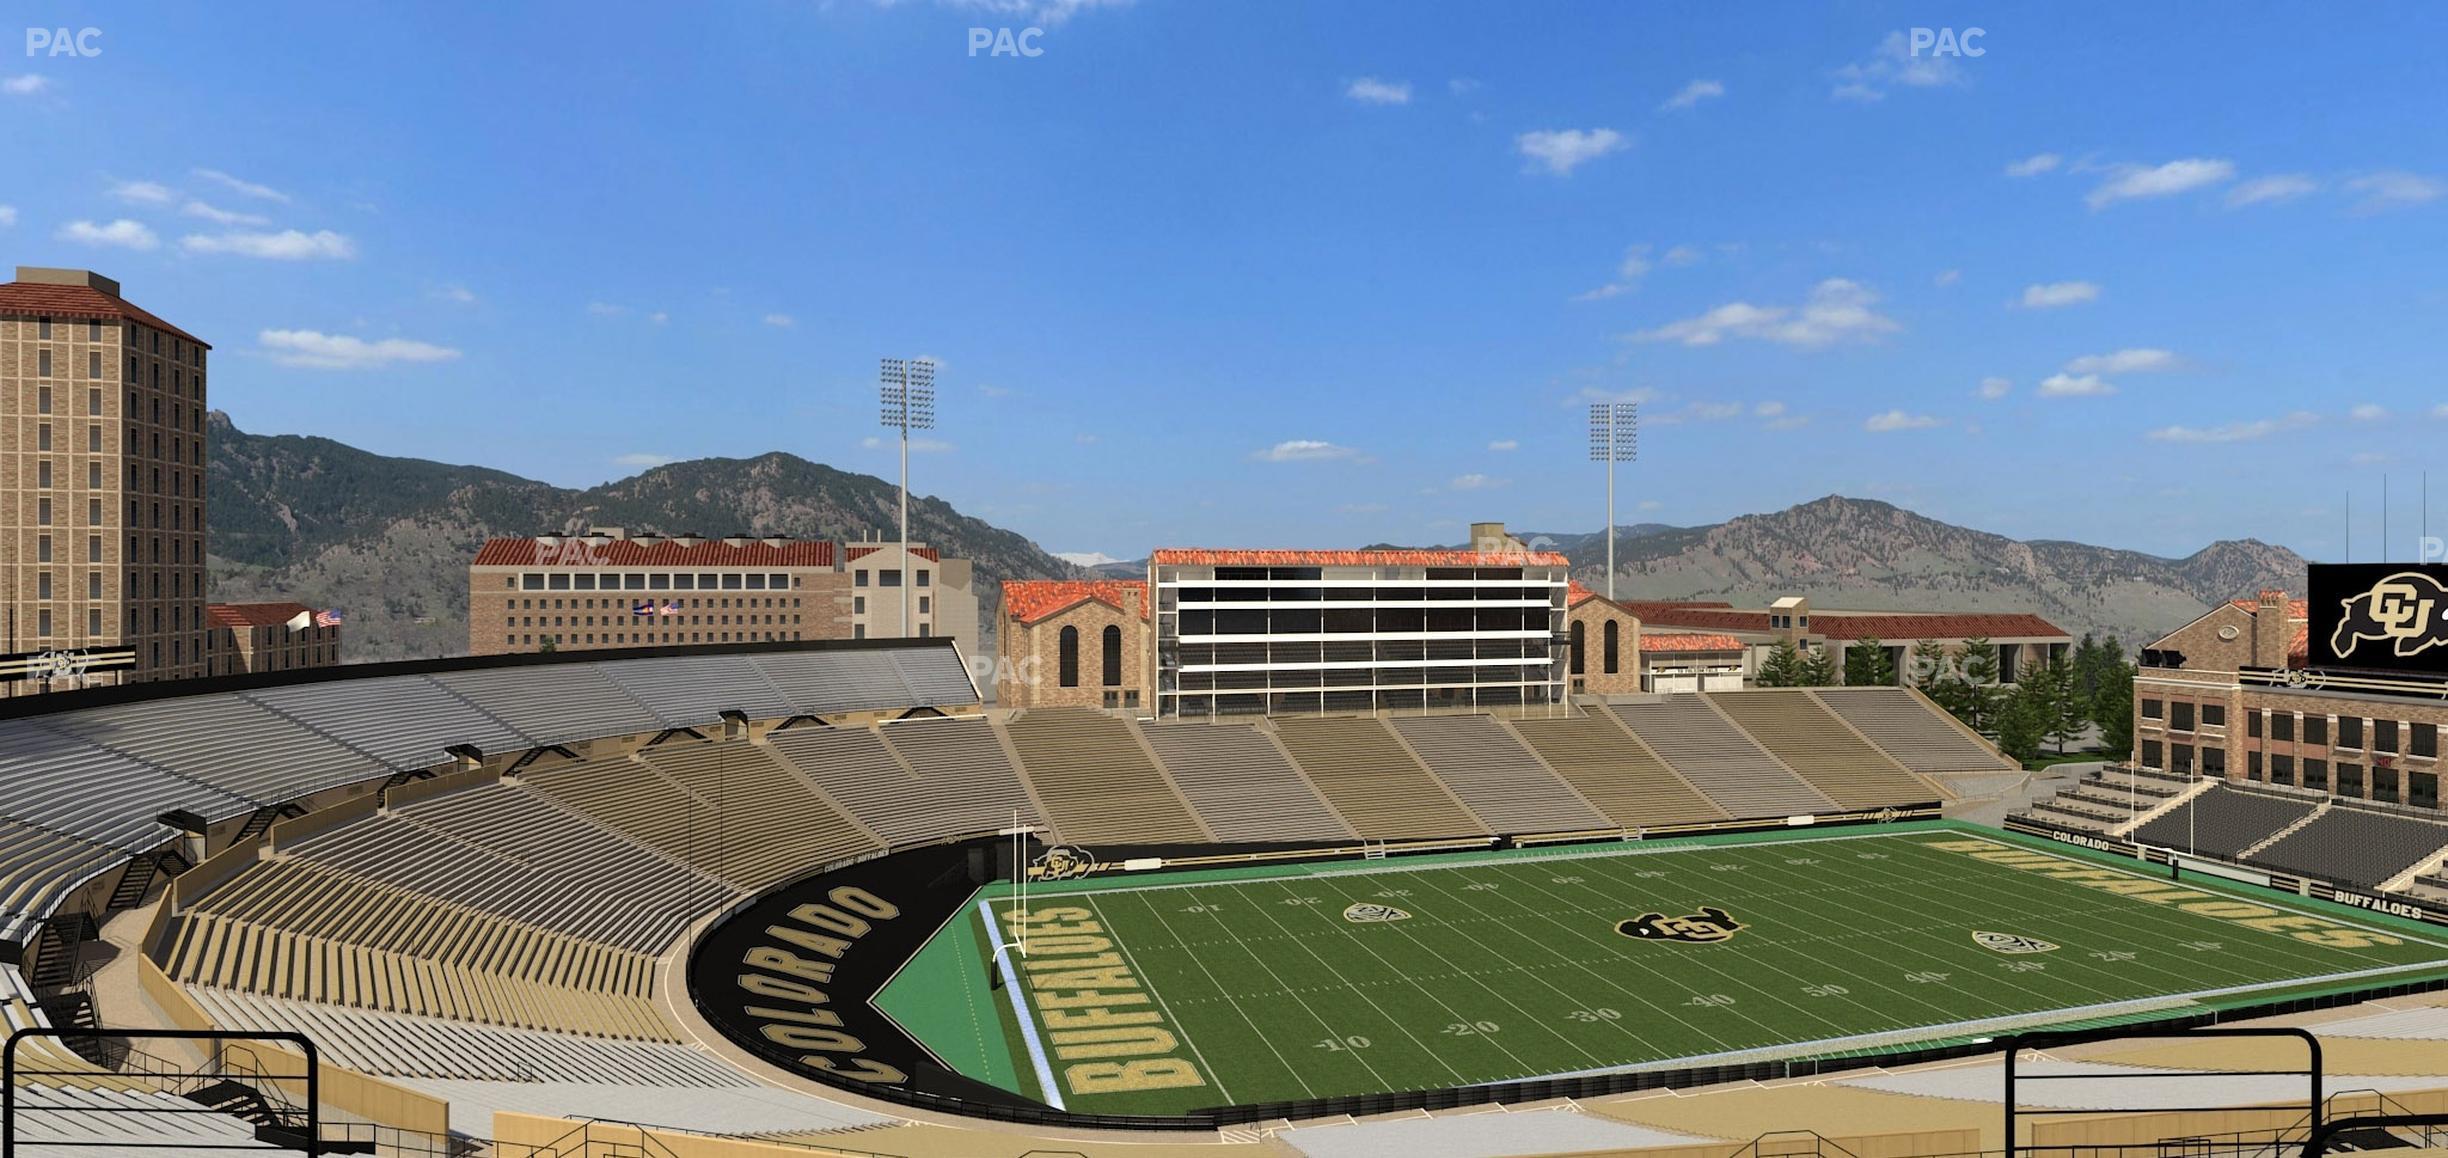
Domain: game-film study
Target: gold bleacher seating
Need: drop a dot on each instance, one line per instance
(1098, 784)
(1798, 730)
(1369, 777)
(1632, 786)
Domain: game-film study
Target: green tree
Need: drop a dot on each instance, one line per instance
(2090, 663)
(2112, 707)
(2058, 699)
(1976, 661)
(1866, 664)
(1933, 675)
(2022, 723)
(1818, 669)
(1782, 668)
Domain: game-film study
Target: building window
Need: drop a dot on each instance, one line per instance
(924, 576)
(42, 622)
(42, 362)
(2384, 738)
(2150, 754)
(890, 577)
(1579, 637)
(860, 578)
(1113, 654)
(858, 605)
(2180, 715)
(2157, 710)
(2214, 761)
(1066, 658)
(2350, 732)
(1613, 660)
(2316, 730)
(2252, 723)
(2252, 764)
(926, 604)
(2282, 726)
(2424, 740)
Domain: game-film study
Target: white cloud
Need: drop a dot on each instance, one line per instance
(780, 321)
(1504, 444)
(1683, 255)
(1768, 410)
(1895, 420)
(1652, 505)
(2139, 360)
(605, 309)
(456, 295)
(2059, 293)
(2234, 431)
(642, 460)
(1892, 65)
(2394, 190)
(1461, 86)
(1369, 90)
(2440, 411)
(8, 216)
(1304, 450)
(1628, 273)
(122, 233)
(286, 245)
(2368, 412)
(143, 193)
(1995, 388)
(2133, 182)
(247, 188)
(1560, 151)
(26, 85)
(1475, 482)
(2274, 188)
(2074, 386)
(917, 445)
(1640, 394)
(1361, 508)
(1692, 94)
(2034, 165)
(1086, 558)
(343, 352)
(1046, 13)
(658, 317)
(1084, 439)
(1837, 310)
(220, 216)
(1947, 277)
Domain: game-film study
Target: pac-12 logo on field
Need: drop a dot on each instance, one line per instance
(2012, 943)
(1706, 927)
(1063, 862)
(1364, 914)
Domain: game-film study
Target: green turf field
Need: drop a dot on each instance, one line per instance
(1167, 993)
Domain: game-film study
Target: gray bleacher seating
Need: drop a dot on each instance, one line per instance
(823, 683)
(1242, 785)
(2223, 821)
(225, 741)
(1908, 729)
(403, 721)
(969, 781)
(2356, 845)
(80, 789)
(38, 867)
(688, 691)
(1095, 780)
(554, 703)
(60, 1121)
(936, 677)
(1613, 771)
(1369, 777)
(1721, 761)
(1496, 775)
(534, 830)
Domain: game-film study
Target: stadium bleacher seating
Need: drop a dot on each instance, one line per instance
(2356, 845)
(1613, 771)
(239, 747)
(553, 703)
(935, 677)
(1368, 776)
(105, 1122)
(403, 721)
(853, 766)
(1242, 785)
(968, 782)
(1098, 785)
(1806, 737)
(38, 867)
(770, 823)
(1716, 757)
(1911, 731)
(825, 683)
(2223, 821)
(59, 782)
(1497, 775)
(693, 691)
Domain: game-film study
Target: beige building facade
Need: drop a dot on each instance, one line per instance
(265, 637)
(606, 589)
(1074, 643)
(102, 461)
(936, 590)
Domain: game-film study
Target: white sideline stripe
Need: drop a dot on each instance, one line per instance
(1028, 1024)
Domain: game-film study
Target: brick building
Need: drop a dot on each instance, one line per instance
(1082, 643)
(102, 416)
(260, 637)
(1602, 651)
(2021, 639)
(2233, 694)
(606, 589)
(941, 599)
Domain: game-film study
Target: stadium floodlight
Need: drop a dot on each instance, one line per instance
(908, 391)
(1614, 431)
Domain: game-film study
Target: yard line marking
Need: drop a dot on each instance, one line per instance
(1027, 1020)
(1437, 1055)
(1230, 999)
(1580, 1002)
(1149, 984)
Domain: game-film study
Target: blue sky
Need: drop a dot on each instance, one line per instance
(1302, 274)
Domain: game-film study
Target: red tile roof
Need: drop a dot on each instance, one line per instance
(245, 615)
(576, 553)
(852, 554)
(1394, 558)
(38, 299)
(1688, 641)
(1031, 600)
(1898, 625)
(1713, 617)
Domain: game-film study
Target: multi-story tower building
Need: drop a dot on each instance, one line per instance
(608, 589)
(937, 591)
(102, 458)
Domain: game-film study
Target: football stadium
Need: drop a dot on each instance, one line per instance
(818, 898)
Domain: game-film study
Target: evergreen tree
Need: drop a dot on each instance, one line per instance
(1866, 664)
(2090, 663)
(1818, 669)
(1933, 675)
(1782, 668)
(2021, 724)
(1976, 661)
(2064, 710)
(2112, 707)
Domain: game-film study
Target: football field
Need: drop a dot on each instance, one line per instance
(1166, 993)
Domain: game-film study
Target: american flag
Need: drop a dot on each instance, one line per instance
(328, 617)
(671, 608)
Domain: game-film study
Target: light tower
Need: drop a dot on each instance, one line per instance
(908, 388)
(1614, 438)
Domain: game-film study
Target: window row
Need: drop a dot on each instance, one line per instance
(646, 581)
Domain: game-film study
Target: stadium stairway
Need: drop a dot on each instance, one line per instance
(1613, 770)
(1099, 783)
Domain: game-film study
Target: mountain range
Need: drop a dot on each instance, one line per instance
(388, 540)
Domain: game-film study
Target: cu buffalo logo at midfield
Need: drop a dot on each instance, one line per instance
(1063, 862)
(2409, 610)
(1363, 914)
(2013, 944)
(1706, 927)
